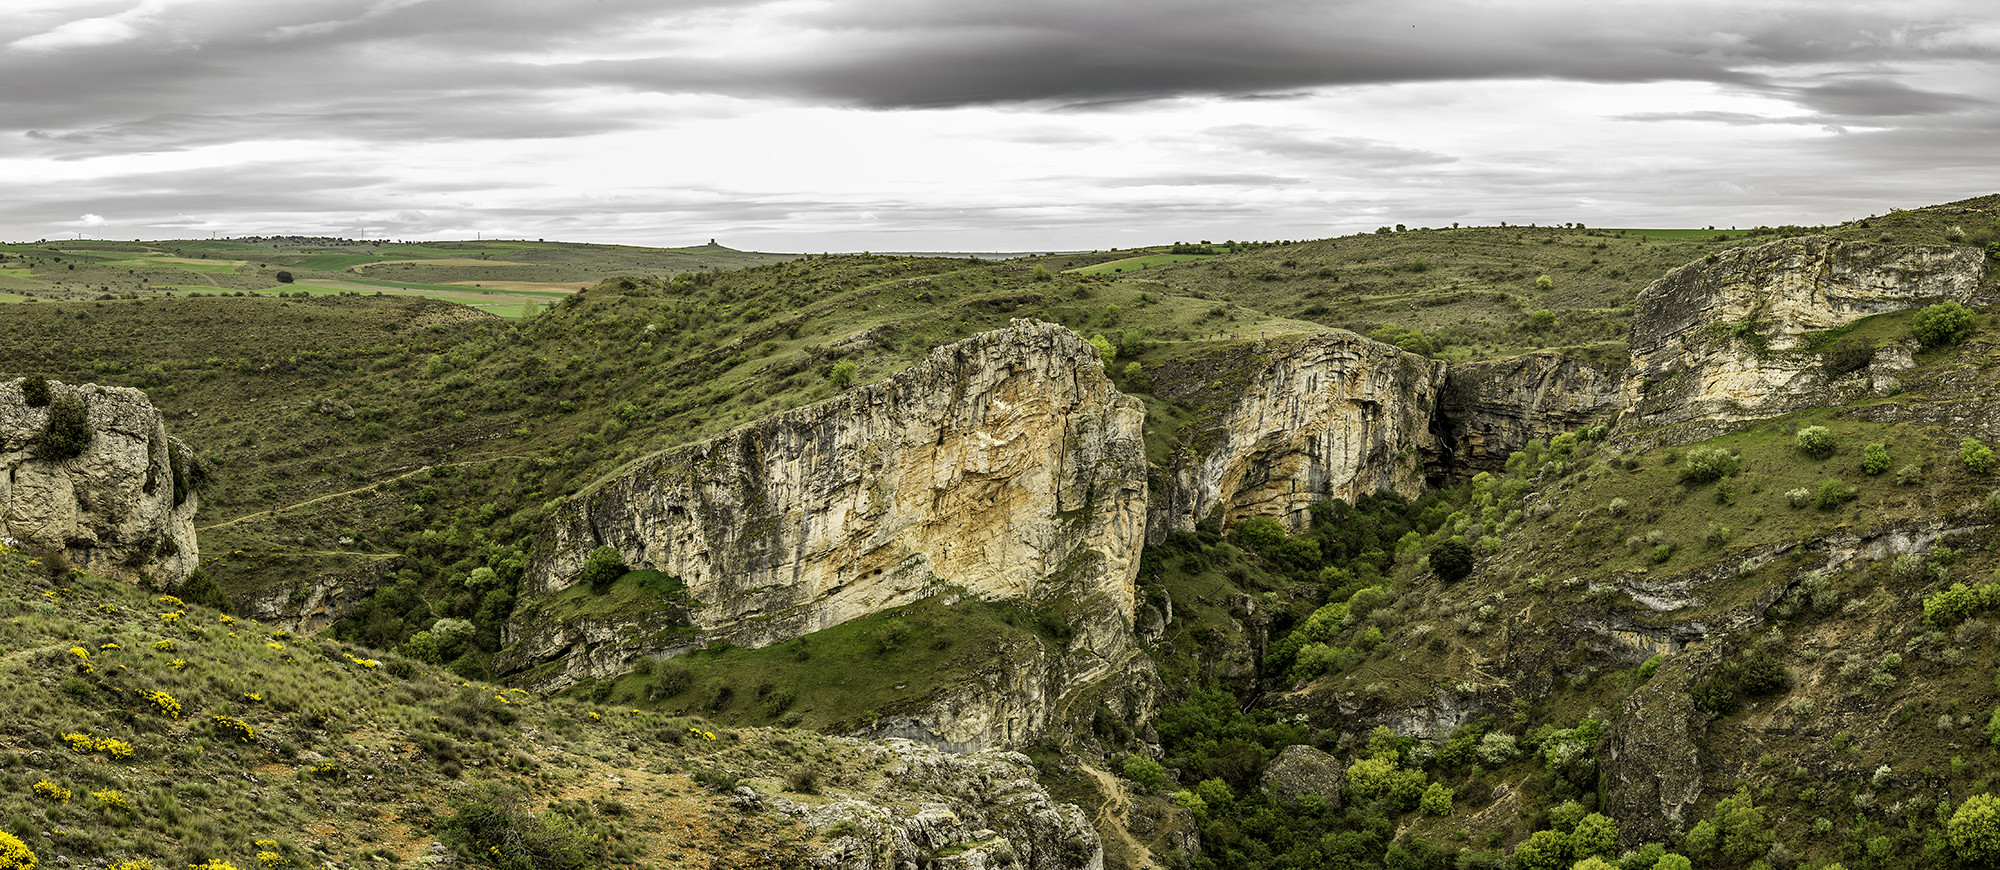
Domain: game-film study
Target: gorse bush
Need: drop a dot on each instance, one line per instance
(1875, 459)
(14, 854)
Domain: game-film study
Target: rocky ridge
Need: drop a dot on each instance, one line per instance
(123, 507)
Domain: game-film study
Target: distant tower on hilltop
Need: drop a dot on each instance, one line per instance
(711, 243)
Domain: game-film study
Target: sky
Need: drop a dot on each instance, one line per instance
(980, 125)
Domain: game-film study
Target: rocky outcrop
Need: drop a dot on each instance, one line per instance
(1727, 339)
(122, 507)
(1302, 770)
(316, 602)
(1652, 761)
(1004, 466)
(1334, 415)
(935, 809)
(1491, 408)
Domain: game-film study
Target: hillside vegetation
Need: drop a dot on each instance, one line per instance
(412, 447)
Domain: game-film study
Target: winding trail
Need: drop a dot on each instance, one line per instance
(376, 485)
(1111, 819)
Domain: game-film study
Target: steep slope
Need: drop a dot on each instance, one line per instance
(1004, 467)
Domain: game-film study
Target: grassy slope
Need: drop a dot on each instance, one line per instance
(349, 763)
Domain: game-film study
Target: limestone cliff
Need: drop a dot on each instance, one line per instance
(1294, 422)
(1004, 465)
(123, 506)
(1724, 340)
(1491, 408)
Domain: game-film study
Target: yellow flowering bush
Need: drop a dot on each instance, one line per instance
(272, 859)
(112, 799)
(213, 864)
(276, 646)
(165, 645)
(83, 659)
(225, 619)
(52, 791)
(233, 725)
(177, 664)
(172, 618)
(253, 698)
(170, 601)
(84, 744)
(14, 854)
(110, 646)
(134, 864)
(167, 705)
(107, 608)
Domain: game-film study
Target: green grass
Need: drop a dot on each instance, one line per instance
(1131, 264)
(842, 678)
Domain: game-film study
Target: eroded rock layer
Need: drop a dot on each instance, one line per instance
(123, 507)
(1492, 408)
(1334, 416)
(1004, 466)
(1725, 339)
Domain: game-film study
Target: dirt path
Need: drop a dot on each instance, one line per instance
(376, 485)
(1111, 820)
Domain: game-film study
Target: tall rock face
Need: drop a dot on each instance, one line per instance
(1330, 416)
(1004, 466)
(1727, 340)
(1491, 408)
(122, 507)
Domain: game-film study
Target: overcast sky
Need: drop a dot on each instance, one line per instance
(810, 125)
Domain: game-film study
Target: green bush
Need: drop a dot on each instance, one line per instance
(1974, 830)
(842, 374)
(1706, 464)
(1543, 850)
(1145, 771)
(68, 432)
(1977, 456)
(603, 568)
(1945, 323)
(35, 390)
(1798, 498)
(1452, 560)
(1816, 442)
(1437, 799)
(1875, 459)
(1834, 493)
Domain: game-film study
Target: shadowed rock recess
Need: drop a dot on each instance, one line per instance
(123, 506)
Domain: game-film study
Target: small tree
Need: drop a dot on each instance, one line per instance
(603, 568)
(1042, 273)
(1145, 771)
(1106, 351)
(1943, 324)
(1974, 830)
(1833, 493)
(284, 277)
(842, 374)
(1452, 560)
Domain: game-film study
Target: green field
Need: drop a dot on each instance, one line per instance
(1131, 264)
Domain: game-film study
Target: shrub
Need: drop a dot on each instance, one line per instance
(603, 568)
(1437, 799)
(1816, 441)
(1452, 560)
(1834, 493)
(68, 432)
(1496, 748)
(14, 854)
(1974, 830)
(1945, 323)
(842, 374)
(1977, 456)
(1910, 475)
(1543, 850)
(1706, 464)
(35, 391)
(1618, 507)
(1874, 459)
(490, 824)
(1798, 498)
(1145, 771)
